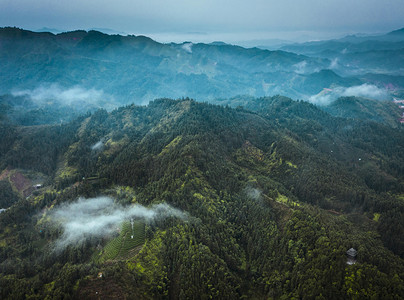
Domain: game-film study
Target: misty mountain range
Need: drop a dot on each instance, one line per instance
(359, 55)
(137, 69)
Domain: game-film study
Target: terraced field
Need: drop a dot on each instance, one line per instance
(124, 246)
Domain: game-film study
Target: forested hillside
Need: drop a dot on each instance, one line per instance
(255, 198)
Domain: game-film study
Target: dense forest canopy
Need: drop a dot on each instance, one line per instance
(256, 198)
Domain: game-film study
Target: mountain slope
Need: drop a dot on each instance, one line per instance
(385, 112)
(271, 210)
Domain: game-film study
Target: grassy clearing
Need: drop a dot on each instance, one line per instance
(285, 200)
(120, 247)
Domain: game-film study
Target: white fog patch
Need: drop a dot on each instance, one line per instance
(366, 90)
(253, 193)
(101, 217)
(334, 64)
(75, 95)
(98, 146)
(322, 99)
(327, 96)
(300, 67)
(187, 47)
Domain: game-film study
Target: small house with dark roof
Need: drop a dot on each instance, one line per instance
(351, 254)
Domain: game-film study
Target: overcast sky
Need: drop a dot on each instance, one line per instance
(210, 19)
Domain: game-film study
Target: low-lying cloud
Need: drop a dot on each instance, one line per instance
(300, 68)
(73, 96)
(187, 47)
(327, 96)
(366, 90)
(253, 193)
(101, 217)
(98, 146)
(333, 64)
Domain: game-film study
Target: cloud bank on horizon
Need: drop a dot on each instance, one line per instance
(210, 16)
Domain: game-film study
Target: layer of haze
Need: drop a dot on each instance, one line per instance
(209, 20)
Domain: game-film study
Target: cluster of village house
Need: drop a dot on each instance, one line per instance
(401, 103)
